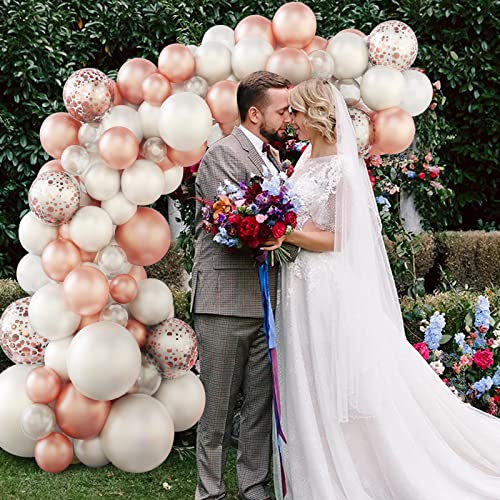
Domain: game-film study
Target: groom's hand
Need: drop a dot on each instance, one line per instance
(272, 244)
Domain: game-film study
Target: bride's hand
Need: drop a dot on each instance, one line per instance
(272, 244)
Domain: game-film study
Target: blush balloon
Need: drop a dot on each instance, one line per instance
(255, 26)
(138, 330)
(43, 385)
(221, 99)
(176, 62)
(123, 288)
(186, 158)
(54, 453)
(59, 258)
(294, 25)
(58, 131)
(118, 147)
(156, 88)
(394, 130)
(131, 77)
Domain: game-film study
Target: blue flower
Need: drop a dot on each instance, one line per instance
(272, 185)
(382, 200)
(481, 386)
(411, 174)
(480, 341)
(496, 377)
(483, 316)
(434, 331)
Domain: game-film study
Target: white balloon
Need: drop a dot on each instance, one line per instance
(104, 361)
(350, 55)
(49, 315)
(119, 208)
(101, 181)
(13, 402)
(154, 149)
(322, 64)
(34, 235)
(184, 398)
(111, 260)
(149, 379)
(89, 135)
(38, 421)
(185, 121)
(91, 228)
(220, 33)
(417, 92)
(30, 274)
(153, 303)
(197, 85)
(215, 135)
(55, 357)
(123, 116)
(382, 87)
(138, 434)
(90, 452)
(350, 91)
(250, 54)
(143, 182)
(213, 62)
(75, 160)
(149, 119)
(173, 179)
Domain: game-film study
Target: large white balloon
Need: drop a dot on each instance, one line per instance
(143, 182)
(185, 121)
(138, 434)
(49, 315)
(220, 33)
(250, 54)
(154, 302)
(123, 116)
(213, 62)
(90, 452)
(173, 179)
(184, 398)
(417, 92)
(382, 87)
(104, 361)
(350, 55)
(13, 402)
(55, 357)
(101, 182)
(34, 235)
(30, 274)
(119, 208)
(149, 119)
(38, 421)
(91, 228)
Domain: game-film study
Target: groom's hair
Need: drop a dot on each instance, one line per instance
(252, 90)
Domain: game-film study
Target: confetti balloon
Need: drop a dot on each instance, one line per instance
(363, 129)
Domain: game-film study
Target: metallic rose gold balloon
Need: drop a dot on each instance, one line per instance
(176, 62)
(138, 330)
(88, 320)
(59, 258)
(43, 385)
(221, 100)
(187, 158)
(51, 166)
(118, 97)
(318, 43)
(58, 131)
(54, 453)
(255, 26)
(166, 163)
(123, 288)
(88, 256)
(156, 88)
(145, 237)
(131, 76)
(138, 273)
(351, 30)
(294, 25)
(79, 416)
(86, 290)
(291, 63)
(394, 130)
(227, 128)
(118, 147)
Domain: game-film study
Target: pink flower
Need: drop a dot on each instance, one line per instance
(260, 218)
(239, 203)
(422, 348)
(437, 85)
(425, 165)
(466, 360)
(376, 160)
(428, 157)
(421, 176)
(483, 359)
(490, 342)
(433, 105)
(483, 328)
(413, 158)
(446, 381)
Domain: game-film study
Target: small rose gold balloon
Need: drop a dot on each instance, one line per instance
(293, 64)
(294, 25)
(131, 76)
(54, 453)
(318, 43)
(255, 26)
(118, 97)
(58, 131)
(227, 128)
(118, 147)
(176, 62)
(166, 163)
(138, 330)
(88, 320)
(221, 99)
(394, 130)
(59, 258)
(187, 158)
(43, 385)
(156, 88)
(51, 166)
(138, 273)
(123, 288)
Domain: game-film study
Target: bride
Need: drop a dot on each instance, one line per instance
(363, 414)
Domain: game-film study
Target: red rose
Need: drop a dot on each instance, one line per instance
(422, 348)
(291, 218)
(279, 229)
(289, 171)
(248, 228)
(496, 399)
(433, 175)
(421, 175)
(483, 359)
(234, 219)
(265, 232)
(446, 381)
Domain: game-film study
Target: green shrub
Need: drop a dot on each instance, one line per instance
(169, 269)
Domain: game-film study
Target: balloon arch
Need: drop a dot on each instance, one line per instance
(102, 366)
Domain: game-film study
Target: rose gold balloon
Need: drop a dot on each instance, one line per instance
(156, 88)
(255, 26)
(187, 158)
(54, 453)
(51, 166)
(145, 237)
(318, 43)
(166, 163)
(88, 320)
(118, 147)
(59, 258)
(294, 25)
(79, 416)
(221, 100)
(58, 131)
(43, 385)
(176, 62)
(123, 288)
(118, 97)
(138, 273)
(227, 128)
(131, 76)
(351, 30)
(86, 290)
(138, 330)
(394, 130)
(87, 256)
(291, 63)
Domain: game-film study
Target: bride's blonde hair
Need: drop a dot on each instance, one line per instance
(316, 99)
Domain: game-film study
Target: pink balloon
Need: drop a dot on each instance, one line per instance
(294, 25)
(54, 453)
(255, 26)
(88, 320)
(123, 288)
(138, 330)
(176, 62)
(394, 130)
(293, 64)
(156, 88)
(60, 257)
(186, 158)
(43, 385)
(221, 99)
(131, 76)
(118, 147)
(138, 273)
(58, 131)
(318, 43)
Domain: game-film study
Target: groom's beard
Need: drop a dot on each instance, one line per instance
(270, 135)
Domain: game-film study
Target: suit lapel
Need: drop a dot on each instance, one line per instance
(253, 154)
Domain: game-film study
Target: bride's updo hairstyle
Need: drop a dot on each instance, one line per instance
(316, 99)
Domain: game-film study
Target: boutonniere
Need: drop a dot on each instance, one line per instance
(287, 167)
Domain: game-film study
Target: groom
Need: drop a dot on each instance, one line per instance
(227, 307)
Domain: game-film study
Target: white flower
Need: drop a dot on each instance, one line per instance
(438, 354)
(496, 344)
(496, 333)
(423, 328)
(438, 367)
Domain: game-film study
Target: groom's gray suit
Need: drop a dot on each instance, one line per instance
(227, 307)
